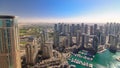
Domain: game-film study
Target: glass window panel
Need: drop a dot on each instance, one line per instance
(0, 23)
(8, 23)
(0, 42)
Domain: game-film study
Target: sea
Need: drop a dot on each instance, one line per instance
(105, 59)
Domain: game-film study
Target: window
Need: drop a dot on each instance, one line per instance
(8, 23)
(0, 41)
(0, 23)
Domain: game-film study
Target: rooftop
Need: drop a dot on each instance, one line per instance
(7, 16)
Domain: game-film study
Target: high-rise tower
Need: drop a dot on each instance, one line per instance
(91, 30)
(86, 29)
(9, 49)
(31, 51)
(95, 29)
(78, 37)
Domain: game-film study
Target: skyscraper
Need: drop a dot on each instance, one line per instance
(47, 50)
(83, 40)
(9, 49)
(31, 51)
(56, 35)
(106, 26)
(95, 29)
(78, 26)
(95, 43)
(98, 34)
(78, 37)
(113, 40)
(56, 39)
(91, 30)
(42, 39)
(82, 28)
(86, 29)
(69, 37)
(72, 28)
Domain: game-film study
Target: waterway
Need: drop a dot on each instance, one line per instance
(101, 60)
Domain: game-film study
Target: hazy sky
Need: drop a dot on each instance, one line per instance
(62, 10)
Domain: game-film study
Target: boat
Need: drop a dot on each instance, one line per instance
(79, 52)
(118, 59)
(82, 63)
(73, 66)
(90, 65)
(69, 59)
(102, 51)
(86, 64)
(91, 59)
(72, 60)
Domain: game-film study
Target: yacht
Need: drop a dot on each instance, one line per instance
(72, 60)
(69, 59)
(118, 59)
(90, 65)
(91, 58)
(73, 66)
(82, 63)
(86, 64)
(79, 52)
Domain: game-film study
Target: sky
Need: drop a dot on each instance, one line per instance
(88, 11)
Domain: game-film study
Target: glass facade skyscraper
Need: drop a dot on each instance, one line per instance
(9, 51)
